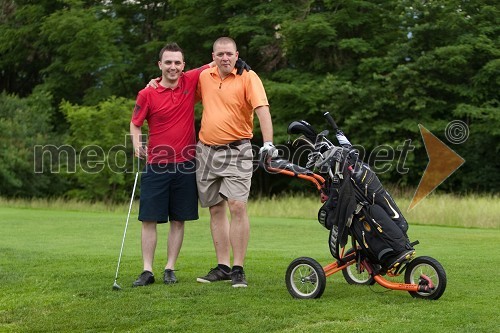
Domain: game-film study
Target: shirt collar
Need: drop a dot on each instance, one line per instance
(180, 84)
(215, 72)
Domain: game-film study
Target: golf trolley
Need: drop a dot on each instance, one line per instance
(349, 213)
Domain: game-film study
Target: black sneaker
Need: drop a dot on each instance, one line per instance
(238, 279)
(144, 279)
(215, 274)
(169, 276)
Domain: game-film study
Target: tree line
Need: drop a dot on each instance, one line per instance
(70, 71)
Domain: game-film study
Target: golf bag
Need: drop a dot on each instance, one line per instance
(358, 205)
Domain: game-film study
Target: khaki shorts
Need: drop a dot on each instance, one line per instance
(223, 173)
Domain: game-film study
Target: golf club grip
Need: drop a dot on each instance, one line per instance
(344, 142)
(330, 120)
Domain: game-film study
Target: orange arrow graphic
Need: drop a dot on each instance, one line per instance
(443, 161)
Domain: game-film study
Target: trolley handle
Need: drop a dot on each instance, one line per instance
(330, 120)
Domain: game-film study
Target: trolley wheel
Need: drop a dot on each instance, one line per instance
(432, 270)
(353, 275)
(305, 278)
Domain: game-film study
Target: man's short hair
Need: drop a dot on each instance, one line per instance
(225, 40)
(172, 47)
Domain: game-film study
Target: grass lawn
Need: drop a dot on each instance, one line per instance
(57, 267)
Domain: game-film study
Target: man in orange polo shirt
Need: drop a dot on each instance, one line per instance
(224, 155)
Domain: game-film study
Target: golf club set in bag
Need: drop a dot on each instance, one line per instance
(355, 205)
(355, 198)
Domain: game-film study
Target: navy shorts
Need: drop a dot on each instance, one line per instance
(168, 192)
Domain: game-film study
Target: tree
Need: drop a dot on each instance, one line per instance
(22, 56)
(100, 138)
(380, 67)
(86, 58)
(25, 127)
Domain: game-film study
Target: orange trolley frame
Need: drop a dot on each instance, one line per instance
(293, 170)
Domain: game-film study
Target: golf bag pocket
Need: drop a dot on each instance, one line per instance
(368, 182)
(382, 241)
(324, 215)
(326, 212)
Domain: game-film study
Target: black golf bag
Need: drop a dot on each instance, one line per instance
(358, 205)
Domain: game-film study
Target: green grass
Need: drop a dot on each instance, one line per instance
(57, 267)
(472, 211)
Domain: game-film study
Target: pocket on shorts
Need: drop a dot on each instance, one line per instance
(245, 158)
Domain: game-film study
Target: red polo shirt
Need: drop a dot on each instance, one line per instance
(170, 117)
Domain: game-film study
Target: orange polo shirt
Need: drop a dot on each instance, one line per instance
(228, 105)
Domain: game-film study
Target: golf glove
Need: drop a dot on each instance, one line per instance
(268, 150)
(241, 65)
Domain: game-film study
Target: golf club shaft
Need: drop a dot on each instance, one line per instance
(126, 224)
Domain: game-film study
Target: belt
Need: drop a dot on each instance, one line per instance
(230, 145)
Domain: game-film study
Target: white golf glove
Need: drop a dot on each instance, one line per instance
(268, 150)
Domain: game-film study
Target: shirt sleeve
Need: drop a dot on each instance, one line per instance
(196, 71)
(141, 108)
(256, 94)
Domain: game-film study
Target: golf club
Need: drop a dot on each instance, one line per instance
(115, 285)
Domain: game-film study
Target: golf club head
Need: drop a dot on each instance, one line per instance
(302, 138)
(302, 127)
(116, 286)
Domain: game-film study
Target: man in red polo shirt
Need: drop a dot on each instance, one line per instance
(168, 182)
